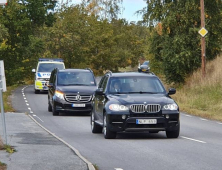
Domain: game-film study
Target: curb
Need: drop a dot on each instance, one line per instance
(89, 164)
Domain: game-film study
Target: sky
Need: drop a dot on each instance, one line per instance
(131, 6)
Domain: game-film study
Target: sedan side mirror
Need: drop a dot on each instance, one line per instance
(99, 91)
(171, 91)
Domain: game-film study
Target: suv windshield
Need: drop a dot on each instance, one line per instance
(135, 85)
(76, 79)
(48, 67)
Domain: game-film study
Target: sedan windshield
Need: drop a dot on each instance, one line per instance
(76, 79)
(149, 85)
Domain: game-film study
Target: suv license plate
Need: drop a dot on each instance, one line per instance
(78, 105)
(146, 121)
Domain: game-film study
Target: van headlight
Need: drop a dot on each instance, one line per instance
(59, 94)
(170, 107)
(117, 107)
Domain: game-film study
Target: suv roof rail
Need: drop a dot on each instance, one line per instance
(89, 69)
(109, 72)
(51, 59)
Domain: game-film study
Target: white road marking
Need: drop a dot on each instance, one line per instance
(26, 101)
(31, 111)
(193, 139)
(188, 116)
(29, 108)
(118, 169)
(220, 123)
(38, 118)
(24, 98)
(23, 95)
(203, 119)
(27, 104)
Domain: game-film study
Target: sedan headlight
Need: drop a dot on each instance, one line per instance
(170, 107)
(59, 94)
(116, 107)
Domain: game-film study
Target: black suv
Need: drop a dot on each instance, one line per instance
(134, 102)
(71, 90)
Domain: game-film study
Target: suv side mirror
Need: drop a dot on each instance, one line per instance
(171, 91)
(33, 70)
(99, 91)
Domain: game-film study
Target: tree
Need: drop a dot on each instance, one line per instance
(175, 41)
(23, 19)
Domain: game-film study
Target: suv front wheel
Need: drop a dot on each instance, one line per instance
(106, 130)
(175, 133)
(95, 128)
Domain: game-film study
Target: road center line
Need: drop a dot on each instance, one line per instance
(188, 116)
(38, 118)
(193, 139)
(118, 168)
(219, 123)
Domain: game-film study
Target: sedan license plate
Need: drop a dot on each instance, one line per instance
(143, 69)
(78, 105)
(146, 121)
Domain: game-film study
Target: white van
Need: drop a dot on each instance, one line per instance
(43, 72)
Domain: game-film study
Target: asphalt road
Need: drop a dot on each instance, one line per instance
(199, 146)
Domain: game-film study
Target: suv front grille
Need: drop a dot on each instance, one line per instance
(78, 98)
(141, 108)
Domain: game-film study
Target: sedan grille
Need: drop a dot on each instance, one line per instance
(78, 98)
(141, 108)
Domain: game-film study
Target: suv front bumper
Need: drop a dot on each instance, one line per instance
(118, 124)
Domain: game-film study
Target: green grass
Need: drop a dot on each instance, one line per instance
(9, 148)
(201, 101)
(96, 167)
(7, 100)
(3, 166)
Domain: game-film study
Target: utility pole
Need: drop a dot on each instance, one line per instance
(203, 45)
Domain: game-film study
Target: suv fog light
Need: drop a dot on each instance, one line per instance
(167, 116)
(123, 116)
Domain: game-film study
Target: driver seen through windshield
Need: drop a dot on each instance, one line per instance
(136, 85)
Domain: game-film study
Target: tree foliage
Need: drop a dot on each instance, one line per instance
(175, 41)
(22, 20)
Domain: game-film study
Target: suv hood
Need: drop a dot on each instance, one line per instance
(75, 89)
(127, 99)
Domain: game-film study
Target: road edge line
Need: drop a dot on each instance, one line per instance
(89, 164)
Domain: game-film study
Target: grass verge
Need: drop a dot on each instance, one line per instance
(3, 166)
(202, 96)
(7, 99)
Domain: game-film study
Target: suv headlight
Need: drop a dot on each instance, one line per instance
(170, 107)
(116, 107)
(59, 94)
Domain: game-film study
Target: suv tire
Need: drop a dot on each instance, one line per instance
(106, 131)
(49, 106)
(173, 134)
(95, 127)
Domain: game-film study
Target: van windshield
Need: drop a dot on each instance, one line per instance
(48, 67)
